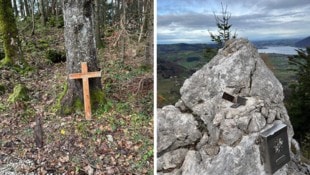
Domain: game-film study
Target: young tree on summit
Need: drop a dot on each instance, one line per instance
(80, 46)
(222, 23)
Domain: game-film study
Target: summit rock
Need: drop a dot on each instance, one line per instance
(206, 135)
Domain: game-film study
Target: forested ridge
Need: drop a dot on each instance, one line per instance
(119, 138)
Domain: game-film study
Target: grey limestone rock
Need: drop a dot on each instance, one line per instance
(206, 134)
(172, 159)
(175, 129)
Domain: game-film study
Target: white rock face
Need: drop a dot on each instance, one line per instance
(215, 138)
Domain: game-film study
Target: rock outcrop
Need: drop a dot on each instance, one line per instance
(202, 134)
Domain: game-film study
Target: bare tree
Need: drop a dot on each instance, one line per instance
(42, 11)
(21, 8)
(32, 17)
(26, 5)
(15, 8)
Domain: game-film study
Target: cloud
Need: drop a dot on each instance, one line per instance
(183, 20)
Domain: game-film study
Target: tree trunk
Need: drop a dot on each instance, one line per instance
(53, 7)
(57, 10)
(123, 28)
(97, 24)
(21, 8)
(80, 47)
(26, 4)
(149, 55)
(42, 11)
(32, 17)
(15, 8)
(9, 32)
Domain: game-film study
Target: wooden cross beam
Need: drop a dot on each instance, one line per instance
(85, 75)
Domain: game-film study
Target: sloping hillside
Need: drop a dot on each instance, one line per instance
(303, 43)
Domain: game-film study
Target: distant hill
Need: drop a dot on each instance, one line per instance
(167, 69)
(276, 42)
(303, 43)
(170, 48)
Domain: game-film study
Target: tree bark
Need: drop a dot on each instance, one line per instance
(80, 47)
(53, 7)
(123, 24)
(9, 32)
(97, 23)
(21, 8)
(149, 55)
(32, 17)
(15, 8)
(26, 4)
(42, 11)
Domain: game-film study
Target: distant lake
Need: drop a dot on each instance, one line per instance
(287, 50)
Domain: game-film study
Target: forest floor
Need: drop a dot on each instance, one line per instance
(118, 139)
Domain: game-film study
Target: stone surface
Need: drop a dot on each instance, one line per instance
(175, 129)
(220, 139)
(172, 159)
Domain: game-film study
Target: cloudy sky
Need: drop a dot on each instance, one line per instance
(188, 21)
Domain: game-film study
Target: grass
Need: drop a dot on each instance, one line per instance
(168, 90)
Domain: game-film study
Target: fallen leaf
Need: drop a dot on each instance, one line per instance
(62, 131)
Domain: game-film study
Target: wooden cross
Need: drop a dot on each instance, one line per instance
(85, 75)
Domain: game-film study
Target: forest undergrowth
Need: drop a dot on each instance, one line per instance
(118, 139)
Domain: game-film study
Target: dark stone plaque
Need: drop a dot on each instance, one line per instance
(275, 147)
(237, 101)
(228, 97)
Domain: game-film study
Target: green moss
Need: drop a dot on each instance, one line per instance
(9, 32)
(22, 69)
(7, 61)
(2, 107)
(97, 98)
(78, 105)
(19, 94)
(57, 106)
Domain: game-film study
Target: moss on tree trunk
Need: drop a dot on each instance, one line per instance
(20, 93)
(8, 30)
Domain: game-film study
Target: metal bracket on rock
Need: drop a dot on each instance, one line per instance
(238, 101)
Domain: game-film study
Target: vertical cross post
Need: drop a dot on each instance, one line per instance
(85, 75)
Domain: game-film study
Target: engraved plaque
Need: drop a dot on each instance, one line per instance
(275, 147)
(228, 97)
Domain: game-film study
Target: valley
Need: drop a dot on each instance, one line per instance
(177, 62)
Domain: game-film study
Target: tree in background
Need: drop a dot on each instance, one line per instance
(299, 103)
(43, 12)
(8, 32)
(222, 23)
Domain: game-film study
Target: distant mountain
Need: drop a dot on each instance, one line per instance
(276, 42)
(165, 48)
(168, 69)
(303, 43)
